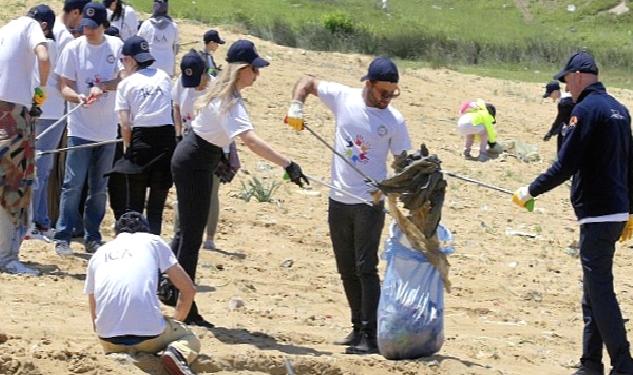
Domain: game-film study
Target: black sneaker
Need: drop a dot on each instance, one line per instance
(174, 363)
(91, 247)
(198, 321)
(367, 344)
(352, 338)
(587, 371)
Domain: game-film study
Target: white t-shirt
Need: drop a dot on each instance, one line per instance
(54, 106)
(364, 135)
(123, 276)
(127, 23)
(147, 95)
(185, 98)
(18, 40)
(220, 128)
(87, 64)
(162, 42)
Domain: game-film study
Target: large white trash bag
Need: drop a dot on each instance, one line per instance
(411, 308)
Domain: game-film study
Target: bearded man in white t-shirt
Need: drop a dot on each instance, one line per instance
(89, 71)
(121, 283)
(367, 129)
(22, 46)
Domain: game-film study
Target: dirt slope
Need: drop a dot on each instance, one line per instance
(515, 302)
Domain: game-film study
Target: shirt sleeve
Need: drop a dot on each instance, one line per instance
(35, 35)
(400, 140)
(66, 64)
(329, 93)
(121, 103)
(166, 258)
(89, 285)
(131, 18)
(238, 121)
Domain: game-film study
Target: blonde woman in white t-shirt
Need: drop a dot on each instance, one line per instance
(221, 117)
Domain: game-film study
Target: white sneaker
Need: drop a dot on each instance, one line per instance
(36, 234)
(16, 267)
(63, 248)
(208, 245)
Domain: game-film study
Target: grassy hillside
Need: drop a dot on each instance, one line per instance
(499, 36)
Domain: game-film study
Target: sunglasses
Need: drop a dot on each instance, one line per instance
(387, 94)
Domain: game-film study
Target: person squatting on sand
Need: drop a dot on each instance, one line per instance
(121, 282)
(22, 47)
(477, 119)
(367, 128)
(221, 117)
(602, 197)
(89, 70)
(143, 103)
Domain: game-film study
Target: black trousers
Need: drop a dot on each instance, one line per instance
(117, 190)
(355, 231)
(151, 148)
(192, 165)
(600, 309)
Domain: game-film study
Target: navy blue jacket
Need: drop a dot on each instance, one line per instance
(597, 152)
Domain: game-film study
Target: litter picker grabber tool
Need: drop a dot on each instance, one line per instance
(56, 123)
(339, 190)
(370, 180)
(87, 145)
(529, 205)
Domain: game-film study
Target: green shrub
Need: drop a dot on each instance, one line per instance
(338, 23)
(261, 191)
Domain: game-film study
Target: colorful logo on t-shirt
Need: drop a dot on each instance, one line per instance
(356, 149)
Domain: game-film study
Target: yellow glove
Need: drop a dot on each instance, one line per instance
(627, 232)
(523, 198)
(40, 96)
(294, 118)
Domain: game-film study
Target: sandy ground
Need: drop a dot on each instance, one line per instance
(515, 302)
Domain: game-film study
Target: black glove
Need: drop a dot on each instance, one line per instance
(35, 111)
(178, 138)
(547, 137)
(224, 171)
(492, 144)
(296, 174)
(167, 292)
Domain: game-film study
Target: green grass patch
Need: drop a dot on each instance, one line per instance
(476, 35)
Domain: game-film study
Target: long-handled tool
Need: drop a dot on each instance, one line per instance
(339, 190)
(87, 145)
(56, 123)
(529, 205)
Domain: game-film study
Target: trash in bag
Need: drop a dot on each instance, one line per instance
(411, 307)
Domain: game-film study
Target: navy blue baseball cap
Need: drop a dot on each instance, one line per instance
(94, 15)
(75, 4)
(137, 47)
(43, 13)
(550, 87)
(113, 31)
(192, 67)
(581, 62)
(212, 36)
(243, 51)
(382, 69)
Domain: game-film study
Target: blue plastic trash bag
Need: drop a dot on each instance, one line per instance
(411, 308)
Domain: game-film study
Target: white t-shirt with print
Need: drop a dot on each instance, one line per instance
(147, 95)
(364, 135)
(185, 98)
(127, 23)
(123, 276)
(54, 106)
(18, 40)
(88, 64)
(220, 127)
(162, 43)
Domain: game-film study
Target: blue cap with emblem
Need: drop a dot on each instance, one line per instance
(137, 47)
(382, 69)
(94, 15)
(193, 67)
(581, 62)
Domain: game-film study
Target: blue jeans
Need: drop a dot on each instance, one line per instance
(92, 163)
(43, 167)
(600, 310)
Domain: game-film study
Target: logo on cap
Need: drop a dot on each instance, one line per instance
(90, 12)
(188, 72)
(144, 46)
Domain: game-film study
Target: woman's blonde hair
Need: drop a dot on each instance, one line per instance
(223, 88)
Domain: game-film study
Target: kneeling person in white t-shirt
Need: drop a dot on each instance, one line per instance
(121, 284)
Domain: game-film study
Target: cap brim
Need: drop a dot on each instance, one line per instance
(144, 57)
(561, 75)
(546, 94)
(87, 22)
(191, 81)
(222, 41)
(259, 63)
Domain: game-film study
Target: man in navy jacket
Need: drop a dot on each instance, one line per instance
(597, 151)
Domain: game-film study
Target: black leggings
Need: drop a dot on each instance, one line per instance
(192, 167)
